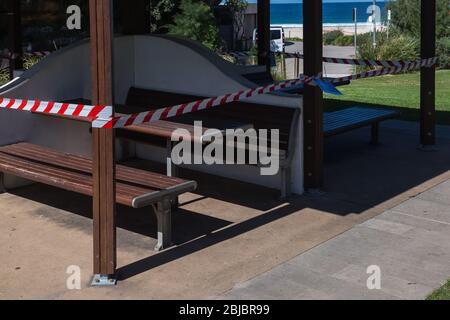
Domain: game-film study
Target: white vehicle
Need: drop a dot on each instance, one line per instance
(276, 38)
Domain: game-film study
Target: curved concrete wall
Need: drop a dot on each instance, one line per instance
(152, 62)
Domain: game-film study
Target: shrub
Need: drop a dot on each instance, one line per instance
(443, 52)
(399, 47)
(28, 62)
(196, 21)
(344, 41)
(4, 76)
(329, 38)
(406, 17)
(297, 39)
(337, 38)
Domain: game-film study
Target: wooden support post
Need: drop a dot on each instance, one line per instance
(428, 75)
(264, 34)
(103, 145)
(15, 36)
(135, 18)
(313, 97)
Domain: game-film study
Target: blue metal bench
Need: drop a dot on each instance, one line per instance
(354, 118)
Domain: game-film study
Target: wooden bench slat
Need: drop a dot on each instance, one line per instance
(74, 162)
(124, 191)
(60, 178)
(135, 188)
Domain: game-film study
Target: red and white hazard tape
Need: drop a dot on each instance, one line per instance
(56, 108)
(178, 110)
(357, 62)
(101, 116)
(173, 111)
(366, 62)
(385, 71)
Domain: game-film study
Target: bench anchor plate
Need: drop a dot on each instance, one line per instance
(100, 280)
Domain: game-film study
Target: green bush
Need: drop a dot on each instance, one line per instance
(344, 41)
(329, 38)
(337, 38)
(406, 17)
(196, 21)
(396, 48)
(4, 76)
(297, 39)
(28, 62)
(399, 48)
(443, 52)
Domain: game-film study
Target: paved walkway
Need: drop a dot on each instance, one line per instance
(409, 243)
(329, 69)
(229, 233)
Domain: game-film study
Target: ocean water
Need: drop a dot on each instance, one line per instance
(333, 13)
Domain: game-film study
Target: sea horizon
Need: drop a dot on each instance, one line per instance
(300, 25)
(334, 13)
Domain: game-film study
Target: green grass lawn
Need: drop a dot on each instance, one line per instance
(442, 293)
(400, 92)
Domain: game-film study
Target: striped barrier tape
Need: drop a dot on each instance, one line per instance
(203, 104)
(173, 111)
(357, 62)
(386, 71)
(56, 108)
(366, 62)
(101, 116)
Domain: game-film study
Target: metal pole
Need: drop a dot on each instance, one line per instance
(374, 21)
(389, 16)
(355, 20)
(14, 36)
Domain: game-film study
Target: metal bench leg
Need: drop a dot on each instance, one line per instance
(2, 183)
(375, 136)
(163, 210)
(172, 170)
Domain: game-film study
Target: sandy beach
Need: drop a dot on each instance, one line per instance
(296, 31)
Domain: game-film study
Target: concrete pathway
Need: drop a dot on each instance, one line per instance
(409, 243)
(229, 233)
(330, 69)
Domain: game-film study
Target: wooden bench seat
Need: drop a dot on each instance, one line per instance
(354, 118)
(258, 115)
(134, 188)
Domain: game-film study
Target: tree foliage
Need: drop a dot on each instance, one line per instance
(237, 9)
(406, 17)
(163, 11)
(196, 21)
(397, 47)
